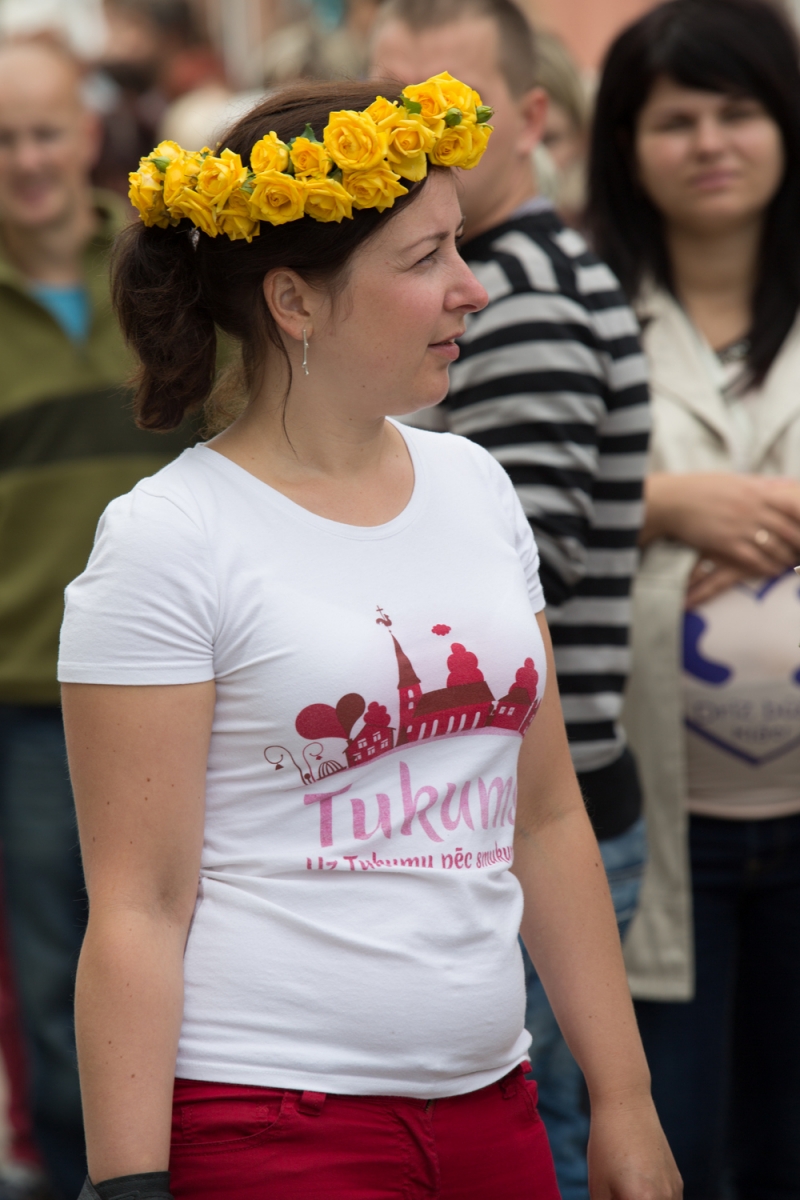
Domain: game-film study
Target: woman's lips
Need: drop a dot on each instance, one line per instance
(448, 349)
(714, 181)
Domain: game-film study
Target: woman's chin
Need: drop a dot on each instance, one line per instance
(420, 404)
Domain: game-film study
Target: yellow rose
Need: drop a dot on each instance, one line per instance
(196, 207)
(235, 220)
(269, 154)
(384, 112)
(409, 143)
(310, 159)
(147, 195)
(454, 147)
(430, 96)
(373, 189)
(220, 176)
(327, 200)
(276, 198)
(164, 154)
(181, 173)
(411, 168)
(480, 138)
(457, 95)
(354, 141)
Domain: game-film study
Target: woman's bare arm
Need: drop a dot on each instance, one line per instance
(138, 761)
(570, 931)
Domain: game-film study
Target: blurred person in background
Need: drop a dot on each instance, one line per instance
(68, 444)
(22, 1174)
(551, 380)
(566, 130)
(694, 200)
(156, 53)
(310, 47)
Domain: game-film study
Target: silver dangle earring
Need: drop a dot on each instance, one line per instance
(305, 353)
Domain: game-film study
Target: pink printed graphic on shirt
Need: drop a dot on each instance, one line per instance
(466, 704)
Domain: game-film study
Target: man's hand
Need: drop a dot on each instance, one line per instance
(744, 521)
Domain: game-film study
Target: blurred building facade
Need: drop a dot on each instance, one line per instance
(587, 27)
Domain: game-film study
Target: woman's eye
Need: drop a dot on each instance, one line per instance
(428, 257)
(740, 112)
(675, 121)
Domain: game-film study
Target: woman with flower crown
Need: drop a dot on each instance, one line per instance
(317, 751)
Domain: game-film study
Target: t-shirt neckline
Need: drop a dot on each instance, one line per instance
(290, 508)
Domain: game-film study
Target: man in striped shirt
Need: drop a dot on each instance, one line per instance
(552, 381)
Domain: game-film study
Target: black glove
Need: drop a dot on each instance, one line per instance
(153, 1185)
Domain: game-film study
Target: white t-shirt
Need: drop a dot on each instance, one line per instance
(356, 921)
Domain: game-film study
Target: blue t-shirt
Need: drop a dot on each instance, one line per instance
(69, 305)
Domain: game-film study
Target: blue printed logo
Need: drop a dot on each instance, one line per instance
(742, 670)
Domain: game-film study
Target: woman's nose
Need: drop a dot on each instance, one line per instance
(469, 295)
(709, 136)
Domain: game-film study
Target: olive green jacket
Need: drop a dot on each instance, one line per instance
(68, 445)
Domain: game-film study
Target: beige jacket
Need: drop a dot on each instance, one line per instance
(691, 432)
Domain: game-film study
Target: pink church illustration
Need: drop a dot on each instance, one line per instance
(464, 705)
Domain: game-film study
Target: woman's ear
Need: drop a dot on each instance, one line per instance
(290, 301)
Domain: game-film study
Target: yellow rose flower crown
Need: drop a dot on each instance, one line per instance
(358, 164)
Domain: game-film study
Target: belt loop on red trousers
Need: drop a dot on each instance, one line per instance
(509, 1084)
(311, 1103)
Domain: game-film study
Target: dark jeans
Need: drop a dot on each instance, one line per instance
(45, 905)
(563, 1098)
(726, 1065)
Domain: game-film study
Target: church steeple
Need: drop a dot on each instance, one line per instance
(406, 676)
(409, 689)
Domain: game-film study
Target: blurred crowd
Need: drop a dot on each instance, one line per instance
(716, 291)
(153, 69)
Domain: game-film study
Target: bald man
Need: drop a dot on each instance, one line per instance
(68, 445)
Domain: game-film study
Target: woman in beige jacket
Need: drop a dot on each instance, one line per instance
(695, 201)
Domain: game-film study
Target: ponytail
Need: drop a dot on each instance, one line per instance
(157, 295)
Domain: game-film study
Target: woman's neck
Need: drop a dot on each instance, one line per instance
(714, 277)
(329, 458)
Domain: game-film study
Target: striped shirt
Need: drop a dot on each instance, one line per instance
(552, 381)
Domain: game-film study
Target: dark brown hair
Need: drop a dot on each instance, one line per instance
(174, 288)
(517, 43)
(738, 48)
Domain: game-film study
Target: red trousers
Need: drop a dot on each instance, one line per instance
(245, 1143)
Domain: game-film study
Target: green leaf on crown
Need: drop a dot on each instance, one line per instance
(308, 132)
(412, 106)
(483, 113)
(337, 174)
(453, 116)
(160, 163)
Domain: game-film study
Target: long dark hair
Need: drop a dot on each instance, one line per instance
(173, 288)
(738, 47)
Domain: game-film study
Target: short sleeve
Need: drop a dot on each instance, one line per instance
(144, 610)
(528, 552)
(524, 541)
